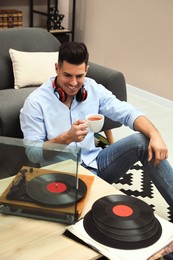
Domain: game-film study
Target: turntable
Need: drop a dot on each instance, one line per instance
(46, 194)
(47, 183)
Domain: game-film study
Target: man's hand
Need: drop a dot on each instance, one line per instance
(157, 149)
(78, 131)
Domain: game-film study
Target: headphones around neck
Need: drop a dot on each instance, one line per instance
(80, 96)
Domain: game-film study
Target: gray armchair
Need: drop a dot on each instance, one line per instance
(39, 40)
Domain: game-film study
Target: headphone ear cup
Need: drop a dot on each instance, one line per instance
(81, 95)
(62, 94)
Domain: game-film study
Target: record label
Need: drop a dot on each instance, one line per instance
(56, 187)
(122, 210)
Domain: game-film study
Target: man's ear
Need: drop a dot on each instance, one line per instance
(56, 68)
(87, 67)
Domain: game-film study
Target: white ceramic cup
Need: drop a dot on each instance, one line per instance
(95, 122)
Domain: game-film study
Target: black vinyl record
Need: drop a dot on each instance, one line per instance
(124, 233)
(100, 237)
(122, 212)
(142, 237)
(56, 189)
(122, 222)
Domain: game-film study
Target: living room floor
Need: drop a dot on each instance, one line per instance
(160, 113)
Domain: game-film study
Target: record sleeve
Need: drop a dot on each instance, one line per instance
(120, 254)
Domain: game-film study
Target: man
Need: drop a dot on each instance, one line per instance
(56, 111)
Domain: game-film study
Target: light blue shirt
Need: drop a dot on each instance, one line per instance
(44, 116)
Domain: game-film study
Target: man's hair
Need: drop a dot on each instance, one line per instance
(73, 52)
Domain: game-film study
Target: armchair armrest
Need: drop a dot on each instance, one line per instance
(114, 81)
(11, 101)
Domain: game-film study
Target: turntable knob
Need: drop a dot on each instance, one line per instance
(31, 170)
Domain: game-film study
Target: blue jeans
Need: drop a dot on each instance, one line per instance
(115, 160)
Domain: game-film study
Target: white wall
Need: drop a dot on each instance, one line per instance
(135, 37)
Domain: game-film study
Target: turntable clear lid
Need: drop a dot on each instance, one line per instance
(47, 180)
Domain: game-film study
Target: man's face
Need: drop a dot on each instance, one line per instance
(71, 77)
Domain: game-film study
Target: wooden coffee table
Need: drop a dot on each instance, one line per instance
(26, 238)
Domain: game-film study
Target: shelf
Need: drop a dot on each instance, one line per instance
(60, 31)
(54, 31)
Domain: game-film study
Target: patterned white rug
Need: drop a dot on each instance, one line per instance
(136, 183)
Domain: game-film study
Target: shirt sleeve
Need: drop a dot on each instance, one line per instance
(116, 109)
(32, 121)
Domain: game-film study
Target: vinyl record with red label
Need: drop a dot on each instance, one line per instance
(56, 189)
(122, 212)
(122, 222)
(124, 233)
